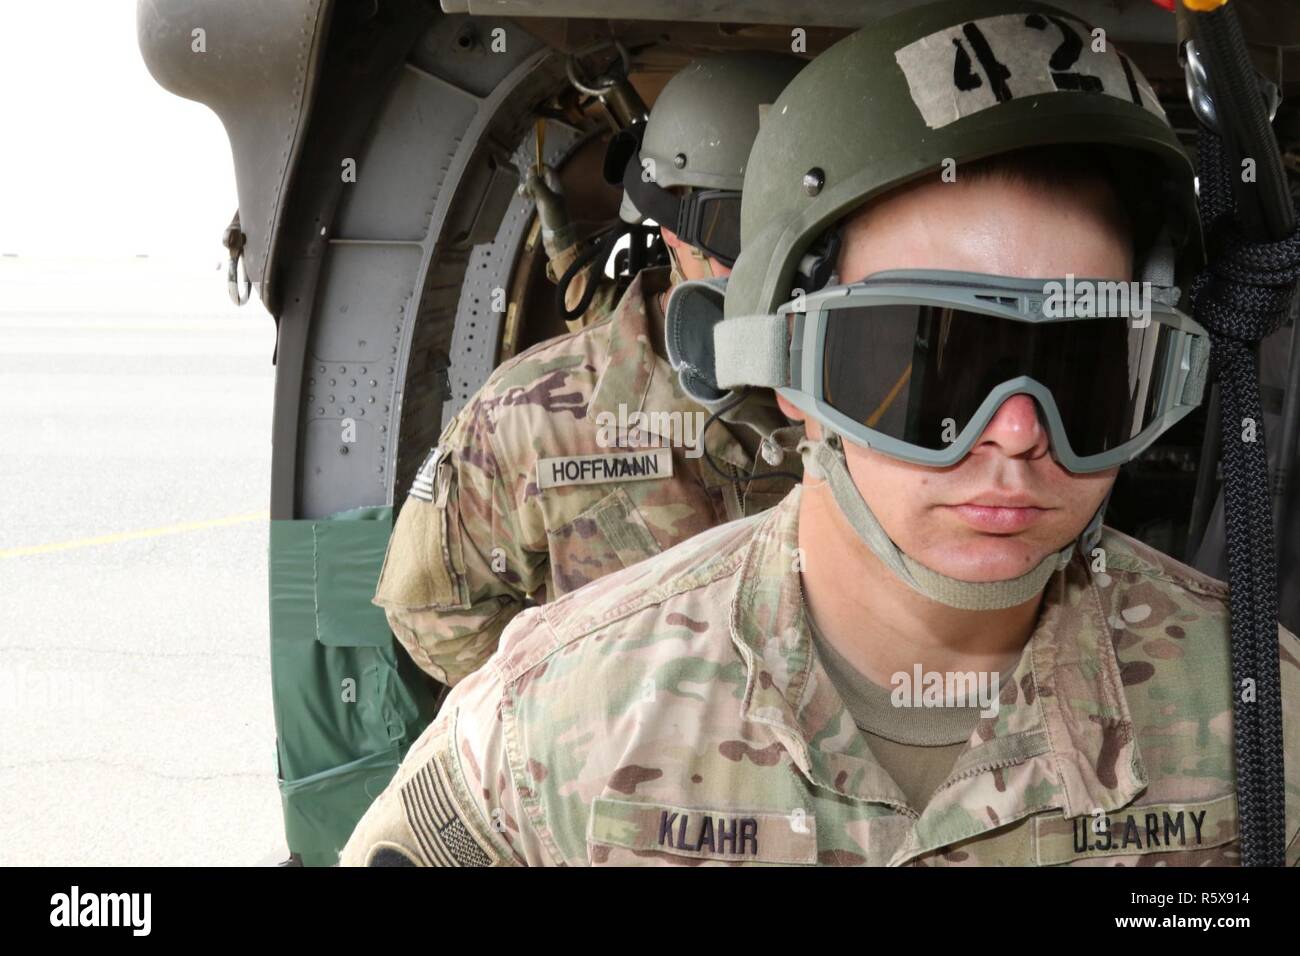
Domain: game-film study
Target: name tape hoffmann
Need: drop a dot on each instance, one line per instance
(597, 469)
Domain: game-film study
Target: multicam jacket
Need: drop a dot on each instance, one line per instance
(537, 488)
(676, 713)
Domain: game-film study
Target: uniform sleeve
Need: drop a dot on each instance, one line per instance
(603, 300)
(457, 568)
(453, 801)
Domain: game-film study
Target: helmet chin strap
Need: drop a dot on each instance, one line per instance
(826, 460)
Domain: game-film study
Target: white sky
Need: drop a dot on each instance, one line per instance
(96, 159)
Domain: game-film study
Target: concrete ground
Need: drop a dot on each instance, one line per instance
(135, 697)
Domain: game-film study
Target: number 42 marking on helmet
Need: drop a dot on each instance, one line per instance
(998, 59)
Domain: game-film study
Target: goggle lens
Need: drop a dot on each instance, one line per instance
(919, 373)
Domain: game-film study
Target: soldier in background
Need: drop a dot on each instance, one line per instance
(582, 455)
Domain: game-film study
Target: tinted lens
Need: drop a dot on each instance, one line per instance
(718, 229)
(919, 373)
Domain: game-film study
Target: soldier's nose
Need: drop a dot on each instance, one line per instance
(1016, 429)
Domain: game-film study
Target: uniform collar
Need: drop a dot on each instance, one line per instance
(635, 376)
(1063, 736)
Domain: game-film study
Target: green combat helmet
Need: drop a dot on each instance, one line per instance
(924, 90)
(916, 93)
(698, 137)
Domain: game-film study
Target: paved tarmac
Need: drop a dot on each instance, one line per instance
(135, 699)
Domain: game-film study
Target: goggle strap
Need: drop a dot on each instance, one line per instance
(828, 462)
(752, 350)
(651, 199)
(1158, 267)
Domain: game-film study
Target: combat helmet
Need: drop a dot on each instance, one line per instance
(948, 83)
(943, 85)
(698, 136)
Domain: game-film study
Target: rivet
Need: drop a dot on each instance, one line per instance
(680, 160)
(343, 449)
(813, 181)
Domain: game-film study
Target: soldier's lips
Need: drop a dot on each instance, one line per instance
(998, 518)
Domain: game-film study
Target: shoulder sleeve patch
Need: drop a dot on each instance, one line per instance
(422, 486)
(440, 827)
(424, 565)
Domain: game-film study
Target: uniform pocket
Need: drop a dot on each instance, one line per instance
(425, 562)
(607, 537)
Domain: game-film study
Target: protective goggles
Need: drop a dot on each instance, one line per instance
(708, 219)
(915, 363)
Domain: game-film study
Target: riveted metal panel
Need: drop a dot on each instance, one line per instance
(401, 169)
(478, 323)
(350, 390)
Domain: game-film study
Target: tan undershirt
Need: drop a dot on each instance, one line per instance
(916, 746)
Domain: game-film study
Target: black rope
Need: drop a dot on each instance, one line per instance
(1242, 296)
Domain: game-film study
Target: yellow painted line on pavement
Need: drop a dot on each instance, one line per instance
(136, 535)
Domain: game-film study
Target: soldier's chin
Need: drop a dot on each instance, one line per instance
(986, 559)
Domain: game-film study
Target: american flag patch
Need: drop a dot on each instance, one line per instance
(422, 487)
(432, 817)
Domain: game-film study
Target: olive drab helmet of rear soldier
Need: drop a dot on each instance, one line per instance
(697, 142)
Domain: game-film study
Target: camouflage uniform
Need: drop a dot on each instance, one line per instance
(479, 535)
(603, 301)
(676, 713)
